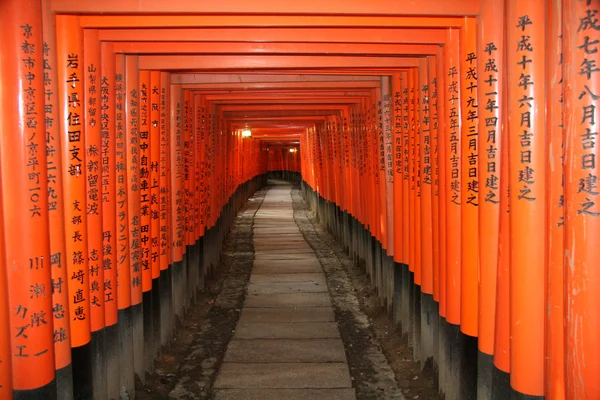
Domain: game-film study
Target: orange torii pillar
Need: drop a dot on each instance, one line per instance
(71, 96)
(154, 203)
(122, 243)
(491, 94)
(450, 337)
(388, 183)
(526, 63)
(133, 176)
(145, 160)
(56, 206)
(177, 198)
(425, 294)
(582, 203)
(93, 181)
(109, 214)
(27, 338)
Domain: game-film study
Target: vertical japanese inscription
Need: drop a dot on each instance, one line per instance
(179, 221)
(93, 149)
(71, 72)
(145, 181)
(122, 212)
(490, 117)
(525, 51)
(469, 145)
(165, 234)
(586, 61)
(155, 173)
(133, 176)
(454, 131)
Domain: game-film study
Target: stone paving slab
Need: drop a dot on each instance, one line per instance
(316, 277)
(291, 250)
(285, 269)
(286, 350)
(288, 300)
(289, 314)
(287, 330)
(286, 287)
(283, 375)
(285, 394)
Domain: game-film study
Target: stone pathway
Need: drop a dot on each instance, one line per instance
(286, 344)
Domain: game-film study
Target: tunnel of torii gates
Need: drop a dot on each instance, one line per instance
(450, 146)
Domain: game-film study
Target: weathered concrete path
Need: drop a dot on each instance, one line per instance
(286, 344)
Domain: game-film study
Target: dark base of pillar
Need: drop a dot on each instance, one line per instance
(137, 319)
(157, 293)
(45, 392)
(148, 332)
(81, 358)
(64, 383)
(500, 384)
(98, 364)
(112, 361)
(166, 307)
(126, 358)
(514, 395)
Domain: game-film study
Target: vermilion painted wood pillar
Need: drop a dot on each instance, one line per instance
(176, 170)
(555, 338)
(26, 266)
(426, 208)
(411, 84)
(165, 188)
(122, 237)
(145, 159)
(132, 141)
(71, 74)
(491, 97)
(406, 126)
(93, 148)
(5, 345)
(397, 129)
(441, 165)
(56, 209)
(418, 176)
(154, 169)
(527, 129)
(434, 118)
(453, 178)
(133, 152)
(581, 33)
(469, 179)
(388, 167)
(109, 214)
(502, 322)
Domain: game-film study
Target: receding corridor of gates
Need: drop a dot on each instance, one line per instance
(440, 158)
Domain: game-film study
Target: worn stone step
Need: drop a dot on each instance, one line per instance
(287, 314)
(286, 287)
(288, 300)
(316, 277)
(287, 330)
(286, 350)
(283, 375)
(285, 394)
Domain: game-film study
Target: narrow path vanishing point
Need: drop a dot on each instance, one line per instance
(286, 344)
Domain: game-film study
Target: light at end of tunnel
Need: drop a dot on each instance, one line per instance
(293, 150)
(246, 133)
